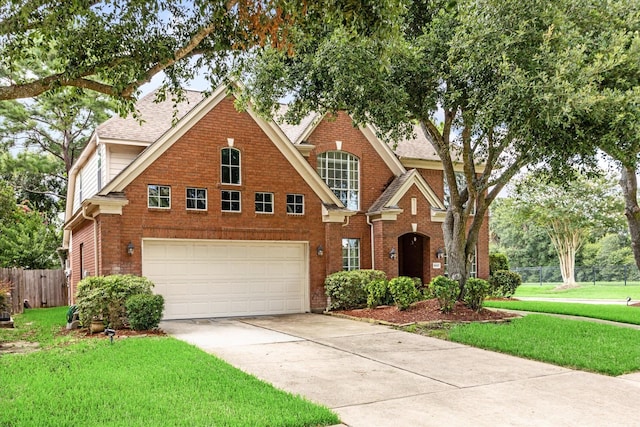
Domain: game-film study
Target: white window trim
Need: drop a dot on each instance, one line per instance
(239, 201)
(322, 157)
(272, 203)
(222, 166)
(349, 257)
(206, 199)
(149, 197)
(295, 204)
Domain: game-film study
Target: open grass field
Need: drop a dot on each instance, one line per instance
(583, 345)
(136, 381)
(586, 291)
(615, 313)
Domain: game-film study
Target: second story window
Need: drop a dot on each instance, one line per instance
(230, 166)
(264, 202)
(197, 199)
(159, 196)
(341, 172)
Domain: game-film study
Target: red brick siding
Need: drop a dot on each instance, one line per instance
(82, 235)
(194, 161)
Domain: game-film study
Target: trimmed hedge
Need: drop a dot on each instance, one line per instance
(446, 291)
(144, 311)
(404, 291)
(498, 261)
(503, 283)
(104, 297)
(348, 289)
(475, 291)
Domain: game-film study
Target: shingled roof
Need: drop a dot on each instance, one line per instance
(156, 117)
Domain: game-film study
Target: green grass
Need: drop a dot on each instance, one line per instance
(36, 325)
(615, 313)
(586, 291)
(588, 346)
(141, 382)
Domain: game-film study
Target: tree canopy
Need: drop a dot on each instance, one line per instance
(486, 81)
(115, 46)
(570, 213)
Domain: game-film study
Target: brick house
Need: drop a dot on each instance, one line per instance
(230, 214)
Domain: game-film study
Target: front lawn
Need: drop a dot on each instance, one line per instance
(140, 382)
(615, 313)
(588, 346)
(585, 291)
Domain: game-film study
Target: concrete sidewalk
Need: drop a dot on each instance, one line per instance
(372, 375)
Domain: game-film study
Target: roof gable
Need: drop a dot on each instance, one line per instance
(391, 196)
(269, 127)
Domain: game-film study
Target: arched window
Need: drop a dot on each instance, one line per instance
(341, 172)
(230, 166)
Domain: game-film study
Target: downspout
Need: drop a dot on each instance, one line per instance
(373, 252)
(95, 242)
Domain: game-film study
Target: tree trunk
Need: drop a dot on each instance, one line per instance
(629, 184)
(566, 242)
(454, 231)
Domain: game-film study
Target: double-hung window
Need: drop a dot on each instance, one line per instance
(341, 172)
(230, 166)
(350, 254)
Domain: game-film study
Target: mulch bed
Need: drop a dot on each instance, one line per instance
(426, 311)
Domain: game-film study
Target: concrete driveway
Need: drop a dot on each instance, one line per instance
(372, 375)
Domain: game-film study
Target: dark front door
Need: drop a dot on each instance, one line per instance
(411, 255)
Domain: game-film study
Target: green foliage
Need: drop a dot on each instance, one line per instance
(446, 291)
(404, 291)
(144, 311)
(104, 297)
(378, 293)
(498, 261)
(28, 241)
(503, 283)
(475, 291)
(73, 309)
(347, 289)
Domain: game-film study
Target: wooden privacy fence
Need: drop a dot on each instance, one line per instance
(41, 288)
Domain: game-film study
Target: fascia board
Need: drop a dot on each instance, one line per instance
(383, 150)
(422, 185)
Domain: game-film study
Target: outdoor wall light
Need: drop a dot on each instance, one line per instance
(440, 253)
(320, 250)
(130, 248)
(392, 253)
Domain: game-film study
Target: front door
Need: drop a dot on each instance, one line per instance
(411, 255)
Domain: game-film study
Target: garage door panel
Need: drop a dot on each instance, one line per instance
(227, 278)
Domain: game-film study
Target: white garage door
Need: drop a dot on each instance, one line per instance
(220, 278)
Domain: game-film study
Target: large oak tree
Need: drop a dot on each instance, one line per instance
(485, 81)
(115, 46)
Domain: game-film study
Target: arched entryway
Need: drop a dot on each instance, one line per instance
(413, 251)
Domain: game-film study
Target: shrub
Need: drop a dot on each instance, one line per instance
(347, 289)
(5, 292)
(446, 291)
(404, 291)
(378, 293)
(498, 261)
(144, 311)
(503, 283)
(104, 297)
(475, 291)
